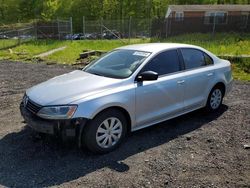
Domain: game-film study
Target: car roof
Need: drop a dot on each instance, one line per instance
(157, 47)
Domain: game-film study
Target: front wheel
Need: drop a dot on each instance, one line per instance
(215, 99)
(105, 132)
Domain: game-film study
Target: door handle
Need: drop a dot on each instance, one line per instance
(181, 82)
(210, 74)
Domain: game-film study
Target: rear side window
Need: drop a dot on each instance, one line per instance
(193, 58)
(208, 59)
(164, 63)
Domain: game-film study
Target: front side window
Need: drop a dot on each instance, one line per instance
(117, 64)
(164, 63)
(193, 58)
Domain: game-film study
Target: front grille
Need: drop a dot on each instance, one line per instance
(32, 106)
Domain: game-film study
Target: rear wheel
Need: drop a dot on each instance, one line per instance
(106, 131)
(215, 99)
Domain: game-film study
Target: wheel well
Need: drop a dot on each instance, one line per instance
(125, 112)
(221, 86)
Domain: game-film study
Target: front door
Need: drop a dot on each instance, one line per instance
(160, 99)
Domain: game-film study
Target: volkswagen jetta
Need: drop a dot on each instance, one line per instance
(127, 89)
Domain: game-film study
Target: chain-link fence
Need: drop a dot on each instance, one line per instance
(56, 29)
(113, 29)
(11, 36)
(162, 28)
(14, 35)
(125, 28)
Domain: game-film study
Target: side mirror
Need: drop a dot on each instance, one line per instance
(147, 76)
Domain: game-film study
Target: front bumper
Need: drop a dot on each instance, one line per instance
(65, 128)
(36, 123)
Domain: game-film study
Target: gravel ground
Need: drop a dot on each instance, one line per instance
(194, 150)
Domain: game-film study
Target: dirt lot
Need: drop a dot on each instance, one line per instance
(195, 150)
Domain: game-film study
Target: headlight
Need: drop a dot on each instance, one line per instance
(57, 112)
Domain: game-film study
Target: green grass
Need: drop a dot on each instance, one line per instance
(67, 56)
(239, 74)
(241, 70)
(29, 49)
(220, 44)
(8, 42)
(74, 48)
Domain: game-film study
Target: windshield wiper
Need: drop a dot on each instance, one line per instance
(96, 74)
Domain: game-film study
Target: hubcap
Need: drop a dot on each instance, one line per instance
(109, 132)
(215, 99)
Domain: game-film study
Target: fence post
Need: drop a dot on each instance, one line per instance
(149, 27)
(19, 37)
(71, 28)
(214, 23)
(166, 26)
(36, 30)
(83, 25)
(101, 24)
(129, 29)
(57, 21)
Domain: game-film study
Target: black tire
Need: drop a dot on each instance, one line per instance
(90, 131)
(210, 106)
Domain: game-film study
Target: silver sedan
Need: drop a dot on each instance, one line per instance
(127, 89)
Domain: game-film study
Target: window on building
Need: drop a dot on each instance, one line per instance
(215, 17)
(179, 16)
(244, 19)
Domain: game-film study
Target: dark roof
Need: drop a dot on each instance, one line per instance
(207, 8)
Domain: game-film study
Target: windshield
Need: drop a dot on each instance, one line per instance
(117, 64)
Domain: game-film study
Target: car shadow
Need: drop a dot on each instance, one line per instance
(29, 162)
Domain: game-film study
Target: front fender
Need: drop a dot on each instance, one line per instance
(90, 107)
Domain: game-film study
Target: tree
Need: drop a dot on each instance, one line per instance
(49, 9)
(12, 11)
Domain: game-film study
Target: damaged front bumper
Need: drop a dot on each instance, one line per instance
(64, 128)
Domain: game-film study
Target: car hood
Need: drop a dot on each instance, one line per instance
(70, 87)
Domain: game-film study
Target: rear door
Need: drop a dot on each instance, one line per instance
(157, 100)
(199, 73)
